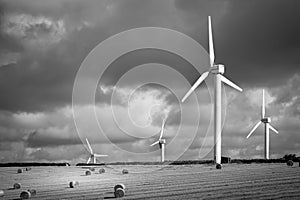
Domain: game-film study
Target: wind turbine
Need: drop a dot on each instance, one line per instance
(217, 70)
(161, 141)
(266, 121)
(93, 155)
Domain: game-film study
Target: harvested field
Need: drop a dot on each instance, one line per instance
(233, 181)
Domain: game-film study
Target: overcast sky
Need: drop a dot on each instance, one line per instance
(43, 44)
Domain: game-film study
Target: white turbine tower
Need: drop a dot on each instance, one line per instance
(266, 121)
(217, 70)
(93, 155)
(161, 142)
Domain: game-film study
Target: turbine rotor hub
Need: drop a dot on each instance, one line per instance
(162, 141)
(266, 120)
(218, 69)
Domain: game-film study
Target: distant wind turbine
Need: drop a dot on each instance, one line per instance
(266, 121)
(93, 155)
(161, 141)
(217, 70)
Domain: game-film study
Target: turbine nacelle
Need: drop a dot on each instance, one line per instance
(218, 69)
(162, 141)
(266, 120)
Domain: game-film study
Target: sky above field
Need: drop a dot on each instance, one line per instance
(43, 44)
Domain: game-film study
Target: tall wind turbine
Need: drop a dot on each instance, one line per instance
(161, 141)
(93, 155)
(217, 70)
(266, 121)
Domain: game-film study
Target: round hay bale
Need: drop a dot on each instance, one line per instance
(17, 186)
(88, 173)
(218, 166)
(32, 192)
(101, 170)
(28, 169)
(1, 193)
(20, 171)
(25, 195)
(119, 193)
(125, 171)
(74, 184)
(122, 186)
(290, 163)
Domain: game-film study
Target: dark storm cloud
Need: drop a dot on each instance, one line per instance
(259, 37)
(135, 58)
(8, 43)
(36, 139)
(43, 76)
(264, 39)
(36, 83)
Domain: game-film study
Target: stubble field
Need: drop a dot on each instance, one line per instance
(234, 181)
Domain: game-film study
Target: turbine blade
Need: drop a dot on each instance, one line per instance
(99, 155)
(273, 129)
(211, 43)
(90, 148)
(154, 143)
(88, 161)
(263, 108)
(254, 128)
(196, 84)
(230, 83)
(162, 129)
